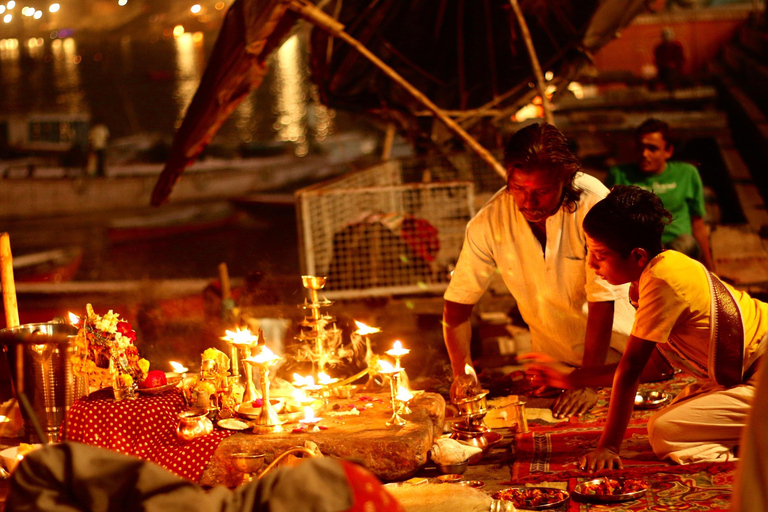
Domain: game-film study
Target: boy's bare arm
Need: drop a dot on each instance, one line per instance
(622, 403)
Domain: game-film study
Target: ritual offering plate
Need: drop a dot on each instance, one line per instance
(651, 399)
(232, 424)
(477, 484)
(251, 410)
(158, 389)
(450, 478)
(532, 498)
(611, 490)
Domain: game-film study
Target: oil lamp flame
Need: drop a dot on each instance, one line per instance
(385, 366)
(73, 318)
(468, 370)
(324, 379)
(397, 350)
(309, 414)
(265, 356)
(240, 337)
(178, 367)
(404, 395)
(364, 330)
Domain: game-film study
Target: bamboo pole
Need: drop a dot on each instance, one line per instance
(389, 139)
(336, 29)
(9, 285)
(10, 304)
(548, 117)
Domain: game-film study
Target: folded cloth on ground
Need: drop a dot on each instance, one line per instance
(440, 497)
(74, 476)
(449, 451)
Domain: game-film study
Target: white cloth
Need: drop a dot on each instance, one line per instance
(703, 423)
(551, 287)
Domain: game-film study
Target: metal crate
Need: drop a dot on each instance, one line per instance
(372, 233)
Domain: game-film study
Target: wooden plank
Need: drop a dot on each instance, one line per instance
(740, 256)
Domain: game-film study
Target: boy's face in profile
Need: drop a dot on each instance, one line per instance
(609, 265)
(653, 152)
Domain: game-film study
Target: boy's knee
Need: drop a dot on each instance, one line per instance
(662, 434)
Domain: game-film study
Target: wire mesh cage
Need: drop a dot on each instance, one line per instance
(394, 228)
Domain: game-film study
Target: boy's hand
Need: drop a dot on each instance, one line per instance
(601, 458)
(574, 402)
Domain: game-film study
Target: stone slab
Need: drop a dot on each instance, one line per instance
(391, 453)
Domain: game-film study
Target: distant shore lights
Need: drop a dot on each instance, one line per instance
(54, 8)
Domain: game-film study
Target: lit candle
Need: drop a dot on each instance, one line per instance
(364, 330)
(310, 421)
(325, 380)
(73, 318)
(397, 351)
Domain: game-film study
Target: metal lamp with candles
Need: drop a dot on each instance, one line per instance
(386, 368)
(268, 421)
(245, 342)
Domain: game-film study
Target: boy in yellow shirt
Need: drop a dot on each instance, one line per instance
(699, 323)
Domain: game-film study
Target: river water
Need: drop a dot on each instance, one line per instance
(142, 86)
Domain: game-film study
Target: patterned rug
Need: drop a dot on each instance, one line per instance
(550, 453)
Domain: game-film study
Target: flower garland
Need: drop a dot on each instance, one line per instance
(104, 348)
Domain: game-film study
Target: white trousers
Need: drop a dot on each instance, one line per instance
(703, 424)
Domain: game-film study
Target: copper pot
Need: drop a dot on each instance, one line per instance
(193, 423)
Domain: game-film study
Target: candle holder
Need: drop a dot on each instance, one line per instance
(394, 377)
(268, 421)
(397, 351)
(316, 323)
(242, 341)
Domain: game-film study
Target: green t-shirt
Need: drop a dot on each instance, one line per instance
(679, 188)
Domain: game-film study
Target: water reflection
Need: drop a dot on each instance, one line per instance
(290, 92)
(66, 74)
(190, 59)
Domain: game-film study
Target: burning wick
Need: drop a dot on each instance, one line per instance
(265, 357)
(240, 337)
(179, 368)
(307, 382)
(397, 351)
(325, 380)
(310, 421)
(364, 330)
(73, 318)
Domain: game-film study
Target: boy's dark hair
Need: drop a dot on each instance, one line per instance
(628, 217)
(542, 147)
(653, 125)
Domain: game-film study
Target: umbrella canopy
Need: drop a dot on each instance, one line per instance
(467, 56)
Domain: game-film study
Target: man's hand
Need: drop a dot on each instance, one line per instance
(601, 458)
(464, 386)
(574, 402)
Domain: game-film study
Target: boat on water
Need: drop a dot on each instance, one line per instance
(32, 190)
(171, 222)
(50, 266)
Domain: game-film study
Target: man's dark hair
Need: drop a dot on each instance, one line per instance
(542, 147)
(627, 218)
(653, 125)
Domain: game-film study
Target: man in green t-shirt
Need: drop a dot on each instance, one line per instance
(678, 184)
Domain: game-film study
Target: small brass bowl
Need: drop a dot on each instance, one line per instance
(247, 462)
(453, 469)
(313, 282)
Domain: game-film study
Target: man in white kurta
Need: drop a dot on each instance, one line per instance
(531, 233)
(551, 285)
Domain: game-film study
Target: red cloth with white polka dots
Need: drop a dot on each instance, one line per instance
(144, 427)
(368, 493)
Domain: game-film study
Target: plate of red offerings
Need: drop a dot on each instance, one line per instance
(611, 490)
(532, 498)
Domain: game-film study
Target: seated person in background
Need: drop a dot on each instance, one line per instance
(530, 232)
(678, 184)
(73, 476)
(679, 305)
